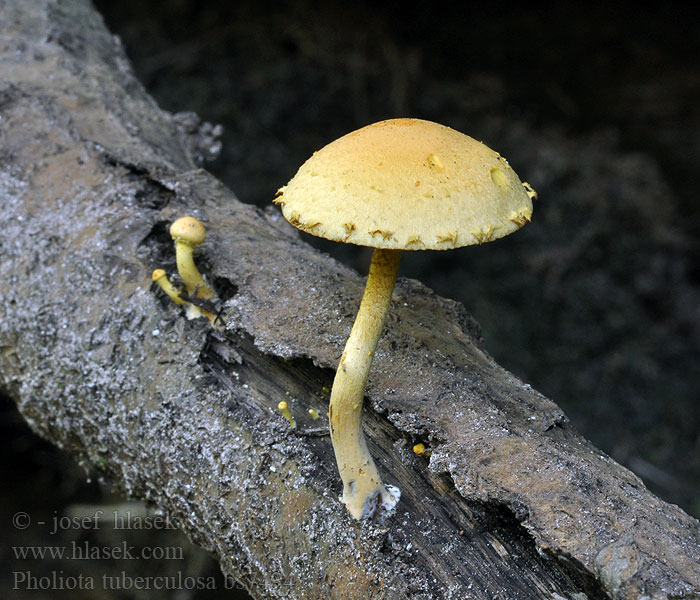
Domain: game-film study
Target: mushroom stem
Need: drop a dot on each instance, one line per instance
(194, 282)
(362, 485)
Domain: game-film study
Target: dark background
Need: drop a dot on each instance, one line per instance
(596, 303)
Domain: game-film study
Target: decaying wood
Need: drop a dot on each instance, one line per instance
(513, 503)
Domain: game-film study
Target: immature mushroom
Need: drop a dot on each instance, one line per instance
(188, 232)
(283, 407)
(420, 450)
(160, 277)
(401, 184)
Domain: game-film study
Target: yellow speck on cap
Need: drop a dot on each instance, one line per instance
(362, 189)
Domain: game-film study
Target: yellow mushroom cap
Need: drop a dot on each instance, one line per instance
(407, 184)
(188, 230)
(158, 274)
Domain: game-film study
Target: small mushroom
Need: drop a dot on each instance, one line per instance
(188, 232)
(283, 407)
(362, 189)
(420, 450)
(160, 277)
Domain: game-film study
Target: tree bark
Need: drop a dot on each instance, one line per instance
(512, 503)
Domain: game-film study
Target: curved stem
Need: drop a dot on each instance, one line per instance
(362, 485)
(194, 282)
(160, 277)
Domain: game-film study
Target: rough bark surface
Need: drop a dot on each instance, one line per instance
(513, 503)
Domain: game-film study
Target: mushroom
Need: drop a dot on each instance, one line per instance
(401, 184)
(160, 277)
(188, 232)
(283, 407)
(420, 450)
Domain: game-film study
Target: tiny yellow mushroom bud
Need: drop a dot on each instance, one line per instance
(162, 280)
(314, 414)
(283, 407)
(188, 232)
(419, 450)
